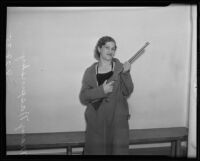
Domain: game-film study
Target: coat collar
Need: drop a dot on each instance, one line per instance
(118, 67)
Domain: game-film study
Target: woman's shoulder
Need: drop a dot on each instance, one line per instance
(91, 68)
(118, 64)
(117, 61)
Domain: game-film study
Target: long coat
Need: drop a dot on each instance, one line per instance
(107, 128)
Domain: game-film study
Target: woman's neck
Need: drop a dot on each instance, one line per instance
(105, 63)
(104, 66)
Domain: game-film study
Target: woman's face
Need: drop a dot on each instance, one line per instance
(107, 51)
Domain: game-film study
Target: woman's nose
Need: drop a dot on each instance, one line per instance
(111, 51)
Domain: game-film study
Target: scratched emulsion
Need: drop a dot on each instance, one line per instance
(24, 114)
(14, 78)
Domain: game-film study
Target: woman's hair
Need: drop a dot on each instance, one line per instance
(102, 41)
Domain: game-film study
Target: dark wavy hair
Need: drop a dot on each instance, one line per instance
(102, 41)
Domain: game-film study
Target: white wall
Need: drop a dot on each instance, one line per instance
(57, 45)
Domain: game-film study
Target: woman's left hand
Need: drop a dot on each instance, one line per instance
(126, 66)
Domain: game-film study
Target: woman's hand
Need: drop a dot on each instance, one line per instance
(108, 87)
(126, 66)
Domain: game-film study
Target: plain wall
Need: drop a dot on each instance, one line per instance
(57, 46)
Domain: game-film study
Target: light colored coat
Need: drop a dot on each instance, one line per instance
(107, 129)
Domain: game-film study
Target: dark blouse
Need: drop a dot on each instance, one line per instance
(101, 77)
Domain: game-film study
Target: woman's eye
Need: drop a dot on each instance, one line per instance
(108, 48)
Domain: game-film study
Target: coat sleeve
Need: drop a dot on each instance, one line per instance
(126, 84)
(89, 94)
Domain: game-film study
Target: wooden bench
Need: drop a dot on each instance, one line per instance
(69, 140)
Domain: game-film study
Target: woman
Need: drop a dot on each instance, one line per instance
(106, 85)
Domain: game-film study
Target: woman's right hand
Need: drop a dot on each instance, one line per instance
(108, 87)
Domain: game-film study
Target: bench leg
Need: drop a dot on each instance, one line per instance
(69, 150)
(173, 148)
(178, 148)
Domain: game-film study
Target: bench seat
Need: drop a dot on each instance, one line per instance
(69, 140)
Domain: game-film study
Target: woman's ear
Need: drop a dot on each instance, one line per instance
(99, 49)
